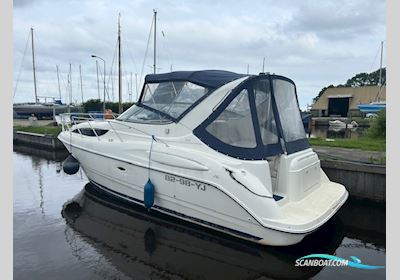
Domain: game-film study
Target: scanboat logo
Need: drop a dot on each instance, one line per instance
(329, 260)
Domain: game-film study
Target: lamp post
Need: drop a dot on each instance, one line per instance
(104, 86)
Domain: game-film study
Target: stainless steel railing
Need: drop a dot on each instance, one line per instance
(68, 120)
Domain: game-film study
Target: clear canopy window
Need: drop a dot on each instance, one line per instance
(172, 98)
(234, 125)
(251, 121)
(164, 101)
(265, 114)
(289, 114)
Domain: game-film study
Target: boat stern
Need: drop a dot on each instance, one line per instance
(303, 217)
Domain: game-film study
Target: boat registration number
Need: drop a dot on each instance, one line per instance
(185, 182)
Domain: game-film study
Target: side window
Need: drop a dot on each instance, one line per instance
(266, 119)
(234, 126)
(289, 112)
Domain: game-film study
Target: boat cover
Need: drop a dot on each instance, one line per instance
(207, 78)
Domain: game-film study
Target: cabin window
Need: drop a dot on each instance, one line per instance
(90, 132)
(172, 98)
(234, 125)
(265, 114)
(289, 113)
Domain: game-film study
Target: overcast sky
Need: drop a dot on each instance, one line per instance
(315, 43)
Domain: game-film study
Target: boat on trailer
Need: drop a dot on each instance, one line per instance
(224, 150)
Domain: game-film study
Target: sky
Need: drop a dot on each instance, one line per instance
(314, 43)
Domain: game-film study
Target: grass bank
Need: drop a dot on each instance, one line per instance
(48, 129)
(362, 143)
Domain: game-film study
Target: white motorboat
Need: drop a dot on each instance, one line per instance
(223, 150)
(340, 124)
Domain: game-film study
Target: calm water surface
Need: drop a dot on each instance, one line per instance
(92, 237)
(334, 132)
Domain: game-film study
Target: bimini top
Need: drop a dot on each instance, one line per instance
(211, 79)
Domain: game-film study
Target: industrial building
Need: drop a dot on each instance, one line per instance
(343, 101)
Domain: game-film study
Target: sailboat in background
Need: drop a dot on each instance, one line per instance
(42, 110)
(377, 105)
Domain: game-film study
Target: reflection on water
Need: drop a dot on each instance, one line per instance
(335, 132)
(93, 237)
(159, 245)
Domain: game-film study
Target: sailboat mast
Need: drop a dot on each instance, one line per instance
(380, 68)
(80, 74)
(58, 80)
(263, 65)
(69, 90)
(119, 67)
(70, 84)
(136, 87)
(33, 66)
(130, 94)
(155, 41)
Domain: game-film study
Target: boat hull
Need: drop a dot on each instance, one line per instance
(193, 200)
(40, 111)
(223, 213)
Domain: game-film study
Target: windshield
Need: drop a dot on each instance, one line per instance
(142, 115)
(164, 102)
(172, 98)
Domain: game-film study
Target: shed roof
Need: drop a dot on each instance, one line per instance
(357, 95)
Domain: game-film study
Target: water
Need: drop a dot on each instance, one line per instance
(93, 237)
(331, 132)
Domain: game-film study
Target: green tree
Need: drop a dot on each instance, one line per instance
(359, 80)
(322, 92)
(366, 79)
(97, 105)
(378, 126)
(92, 105)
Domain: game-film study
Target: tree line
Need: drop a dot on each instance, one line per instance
(96, 105)
(359, 80)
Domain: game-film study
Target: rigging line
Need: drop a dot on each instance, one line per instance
(376, 55)
(380, 90)
(111, 76)
(130, 53)
(66, 85)
(145, 54)
(112, 63)
(62, 80)
(106, 88)
(165, 45)
(106, 84)
(126, 75)
(167, 51)
(22, 63)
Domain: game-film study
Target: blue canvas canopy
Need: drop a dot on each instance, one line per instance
(211, 79)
